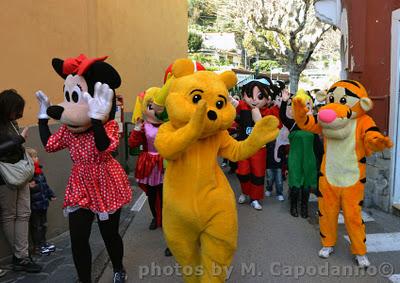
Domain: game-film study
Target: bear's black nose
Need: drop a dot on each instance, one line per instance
(55, 112)
(212, 115)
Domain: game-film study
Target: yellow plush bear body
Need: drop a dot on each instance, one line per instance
(199, 210)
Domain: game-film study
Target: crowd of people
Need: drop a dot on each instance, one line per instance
(98, 186)
(295, 154)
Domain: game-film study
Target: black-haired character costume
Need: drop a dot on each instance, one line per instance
(98, 185)
(251, 172)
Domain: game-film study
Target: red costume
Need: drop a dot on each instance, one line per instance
(251, 172)
(97, 182)
(149, 170)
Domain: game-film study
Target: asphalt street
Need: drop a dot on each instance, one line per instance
(272, 247)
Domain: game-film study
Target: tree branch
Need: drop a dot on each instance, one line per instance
(311, 48)
(301, 25)
(271, 51)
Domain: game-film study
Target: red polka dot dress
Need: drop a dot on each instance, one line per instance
(97, 182)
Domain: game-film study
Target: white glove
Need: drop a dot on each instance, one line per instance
(138, 125)
(99, 105)
(44, 103)
(233, 101)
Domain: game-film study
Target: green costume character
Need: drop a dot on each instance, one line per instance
(302, 162)
(305, 148)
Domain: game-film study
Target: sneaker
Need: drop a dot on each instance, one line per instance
(120, 277)
(43, 250)
(167, 252)
(50, 246)
(268, 193)
(256, 205)
(26, 264)
(325, 252)
(2, 272)
(153, 224)
(242, 198)
(280, 198)
(362, 261)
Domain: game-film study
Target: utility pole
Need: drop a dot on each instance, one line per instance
(257, 66)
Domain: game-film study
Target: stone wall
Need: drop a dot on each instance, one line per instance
(377, 190)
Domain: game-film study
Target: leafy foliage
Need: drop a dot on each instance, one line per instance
(202, 14)
(286, 31)
(265, 65)
(195, 42)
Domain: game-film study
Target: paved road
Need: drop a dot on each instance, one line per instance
(272, 247)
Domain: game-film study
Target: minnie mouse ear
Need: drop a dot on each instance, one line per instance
(103, 72)
(58, 67)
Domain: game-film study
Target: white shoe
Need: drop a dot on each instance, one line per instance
(280, 198)
(242, 198)
(268, 193)
(325, 252)
(256, 205)
(362, 261)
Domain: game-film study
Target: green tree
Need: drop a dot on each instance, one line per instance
(265, 65)
(195, 42)
(202, 14)
(283, 30)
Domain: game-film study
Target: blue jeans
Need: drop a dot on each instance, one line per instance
(275, 176)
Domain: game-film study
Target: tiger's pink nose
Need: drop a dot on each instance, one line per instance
(327, 116)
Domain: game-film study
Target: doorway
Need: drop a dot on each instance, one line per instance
(395, 108)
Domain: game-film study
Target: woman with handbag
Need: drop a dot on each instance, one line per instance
(14, 201)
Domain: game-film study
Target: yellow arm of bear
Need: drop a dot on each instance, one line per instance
(264, 131)
(171, 142)
(304, 121)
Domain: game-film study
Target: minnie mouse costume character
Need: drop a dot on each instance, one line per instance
(98, 184)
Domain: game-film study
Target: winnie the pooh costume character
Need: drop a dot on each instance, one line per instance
(199, 211)
(349, 136)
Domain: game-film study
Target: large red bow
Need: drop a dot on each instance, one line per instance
(80, 64)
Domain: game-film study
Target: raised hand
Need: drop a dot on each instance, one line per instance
(233, 101)
(138, 125)
(256, 114)
(375, 141)
(197, 120)
(44, 103)
(299, 109)
(285, 95)
(100, 104)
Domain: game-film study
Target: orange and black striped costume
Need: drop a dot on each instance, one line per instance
(349, 136)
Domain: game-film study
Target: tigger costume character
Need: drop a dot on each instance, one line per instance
(199, 211)
(349, 136)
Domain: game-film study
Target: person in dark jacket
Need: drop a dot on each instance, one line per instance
(41, 194)
(14, 203)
